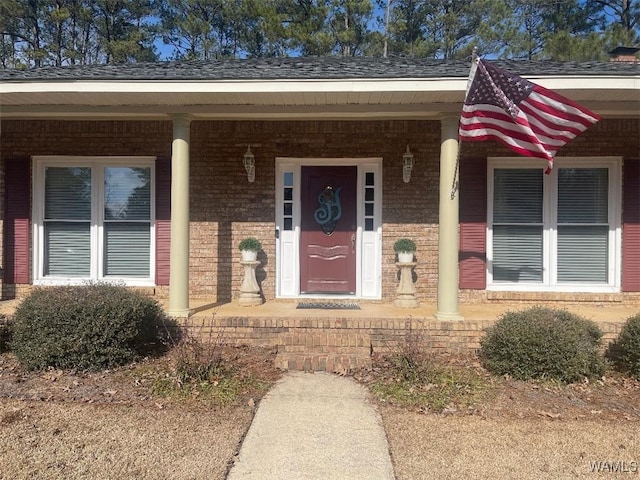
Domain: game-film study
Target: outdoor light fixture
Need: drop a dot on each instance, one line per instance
(249, 162)
(407, 165)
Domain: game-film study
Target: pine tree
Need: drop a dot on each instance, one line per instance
(123, 30)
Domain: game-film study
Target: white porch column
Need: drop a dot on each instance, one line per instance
(448, 224)
(179, 254)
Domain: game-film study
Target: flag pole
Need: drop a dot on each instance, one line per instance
(455, 186)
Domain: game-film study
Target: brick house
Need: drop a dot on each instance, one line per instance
(135, 173)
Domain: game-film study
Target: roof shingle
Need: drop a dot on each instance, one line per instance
(307, 68)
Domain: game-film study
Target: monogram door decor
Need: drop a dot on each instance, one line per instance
(329, 209)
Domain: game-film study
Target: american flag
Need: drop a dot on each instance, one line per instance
(529, 119)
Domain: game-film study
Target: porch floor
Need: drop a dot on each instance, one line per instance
(426, 311)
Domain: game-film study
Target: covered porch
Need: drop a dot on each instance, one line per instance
(445, 166)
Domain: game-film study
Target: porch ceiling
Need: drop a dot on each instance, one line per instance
(275, 105)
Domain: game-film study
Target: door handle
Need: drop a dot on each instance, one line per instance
(353, 243)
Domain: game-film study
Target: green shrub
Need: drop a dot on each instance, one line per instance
(543, 343)
(404, 245)
(88, 327)
(250, 244)
(628, 345)
(5, 332)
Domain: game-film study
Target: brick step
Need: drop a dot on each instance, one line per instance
(316, 360)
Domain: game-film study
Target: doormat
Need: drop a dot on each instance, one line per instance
(328, 306)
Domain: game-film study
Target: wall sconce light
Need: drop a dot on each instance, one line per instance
(407, 165)
(249, 162)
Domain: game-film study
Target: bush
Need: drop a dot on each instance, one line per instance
(5, 332)
(404, 245)
(543, 343)
(251, 244)
(628, 345)
(89, 327)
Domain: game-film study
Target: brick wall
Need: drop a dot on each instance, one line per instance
(33, 137)
(218, 175)
(605, 138)
(339, 344)
(226, 208)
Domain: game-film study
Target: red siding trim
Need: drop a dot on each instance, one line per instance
(163, 219)
(472, 255)
(631, 225)
(17, 224)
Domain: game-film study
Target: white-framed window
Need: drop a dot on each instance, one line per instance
(556, 232)
(93, 219)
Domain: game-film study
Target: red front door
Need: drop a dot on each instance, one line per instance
(328, 230)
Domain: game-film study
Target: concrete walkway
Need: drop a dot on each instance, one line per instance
(314, 426)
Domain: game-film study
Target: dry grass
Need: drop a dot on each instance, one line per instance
(112, 425)
(500, 428)
(73, 441)
(473, 447)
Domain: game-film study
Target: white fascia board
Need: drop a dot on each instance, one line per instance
(588, 83)
(249, 86)
(600, 82)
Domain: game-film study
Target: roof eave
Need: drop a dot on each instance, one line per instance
(607, 95)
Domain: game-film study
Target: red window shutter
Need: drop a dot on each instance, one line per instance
(17, 224)
(473, 224)
(163, 219)
(631, 225)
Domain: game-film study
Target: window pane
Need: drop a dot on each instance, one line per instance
(67, 249)
(369, 195)
(67, 193)
(288, 209)
(368, 179)
(583, 254)
(368, 224)
(288, 224)
(583, 195)
(127, 193)
(288, 193)
(517, 253)
(368, 209)
(517, 195)
(127, 249)
(288, 179)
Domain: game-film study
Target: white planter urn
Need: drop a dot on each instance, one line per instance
(249, 255)
(405, 257)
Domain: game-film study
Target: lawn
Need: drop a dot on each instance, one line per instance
(119, 424)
